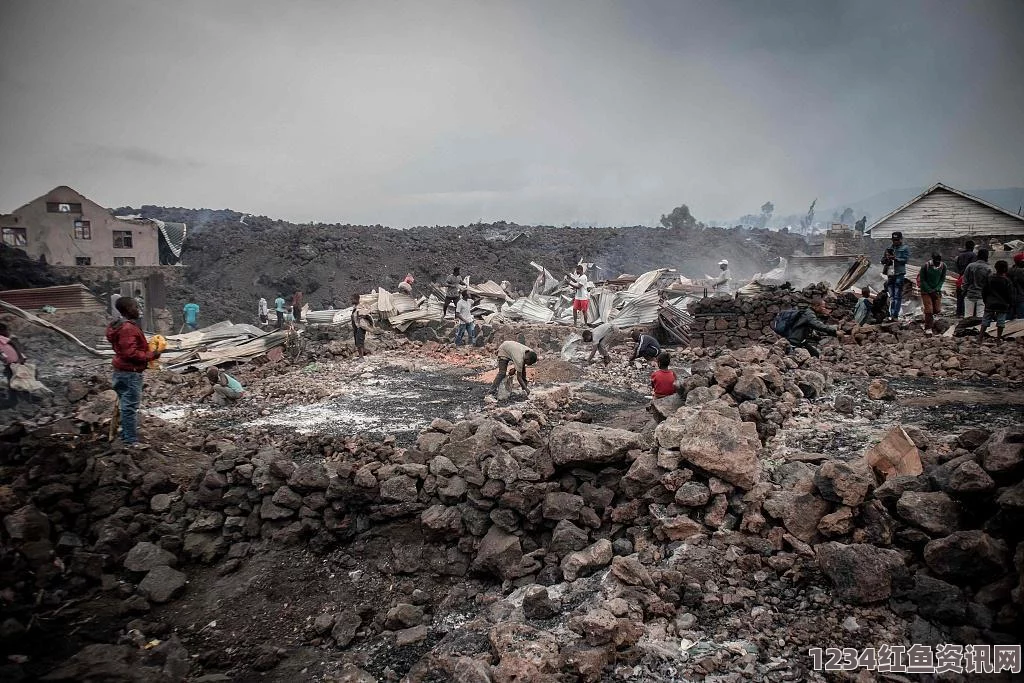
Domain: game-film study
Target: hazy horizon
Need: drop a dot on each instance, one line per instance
(536, 113)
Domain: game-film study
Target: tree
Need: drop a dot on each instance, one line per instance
(680, 219)
(767, 209)
(807, 221)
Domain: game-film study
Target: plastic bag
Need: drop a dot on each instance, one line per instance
(24, 379)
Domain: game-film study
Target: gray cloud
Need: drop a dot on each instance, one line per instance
(450, 112)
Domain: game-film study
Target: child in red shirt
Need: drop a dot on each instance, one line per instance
(663, 380)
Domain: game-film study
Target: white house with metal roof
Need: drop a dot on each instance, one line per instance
(942, 212)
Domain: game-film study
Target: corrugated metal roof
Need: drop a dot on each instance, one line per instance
(67, 298)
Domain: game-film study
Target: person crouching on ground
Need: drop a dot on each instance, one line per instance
(663, 380)
(599, 337)
(520, 356)
(464, 318)
(131, 356)
(999, 301)
(930, 279)
(10, 354)
(862, 311)
(224, 388)
(647, 347)
(358, 333)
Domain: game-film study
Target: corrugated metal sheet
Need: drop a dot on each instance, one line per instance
(641, 310)
(645, 281)
(529, 310)
(65, 298)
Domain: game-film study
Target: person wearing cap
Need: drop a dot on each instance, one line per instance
(721, 283)
(896, 258)
(1017, 278)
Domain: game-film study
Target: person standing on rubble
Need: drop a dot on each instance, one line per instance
(297, 306)
(358, 331)
(224, 388)
(279, 310)
(520, 356)
(599, 336)
(1017, 278)
(452, 285)
(897, 260)
(191, 314)
(930, 279)
(963, 259)
(131, 356)
(464, 318)
(721, 283)
(580, 296)
(647, 347)
(976, 276)
(999, 301)
(263, 311)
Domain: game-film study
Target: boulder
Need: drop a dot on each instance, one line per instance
(969, 478)
(145, 556)
(935, 512)
(499, 553)
(403, 615)
(838, 523)
(861, 573)
(723, 446)
(1003, 452)
(538, 603)
(844, 482)
(938, 600)
(895, 454)
(162, 584)
(27, 523)
(592, 557)
(560, 505)
(693, 494)
(967, 556)
(346, 624)
(567, 537)
(443, 520)
(749, 388)
(629, 571)
(578, 443)
(400, 488)
(879, 390)
(811, 383)
(799, 512)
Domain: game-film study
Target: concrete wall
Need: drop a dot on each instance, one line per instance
(52, 235)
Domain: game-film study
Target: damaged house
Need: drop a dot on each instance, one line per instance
(65, 228)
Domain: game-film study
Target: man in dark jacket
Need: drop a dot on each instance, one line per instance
(647, 347)
(1017, 278)
(131, 356)
(801, 331)
(963, 259)
(999, 301)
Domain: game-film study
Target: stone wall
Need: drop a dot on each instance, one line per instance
(738, 322)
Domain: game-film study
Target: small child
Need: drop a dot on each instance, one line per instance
(663, 380)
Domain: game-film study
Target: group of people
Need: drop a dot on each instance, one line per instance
(991, 292)
(285, 311)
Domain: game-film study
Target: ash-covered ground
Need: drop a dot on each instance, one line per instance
(384, 520)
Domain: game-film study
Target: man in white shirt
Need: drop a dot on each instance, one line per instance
(464, 319)
(264, 311)
(721, 283)
(581, 297)
(599, 336)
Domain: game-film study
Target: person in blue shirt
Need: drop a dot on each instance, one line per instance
(896, 259)
(224, 388)
(280, 310)
(192, 316)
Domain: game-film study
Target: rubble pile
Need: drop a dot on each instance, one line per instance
(916, 356)
(737, 322)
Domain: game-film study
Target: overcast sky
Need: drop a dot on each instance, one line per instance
(557, 111)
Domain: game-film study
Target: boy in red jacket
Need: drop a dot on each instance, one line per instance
(663, 380)
(131, 355)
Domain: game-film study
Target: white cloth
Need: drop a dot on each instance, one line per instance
(264, 310)
(464, 311)
(579, 282)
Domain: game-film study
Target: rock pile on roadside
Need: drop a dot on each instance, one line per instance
(919, 356)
